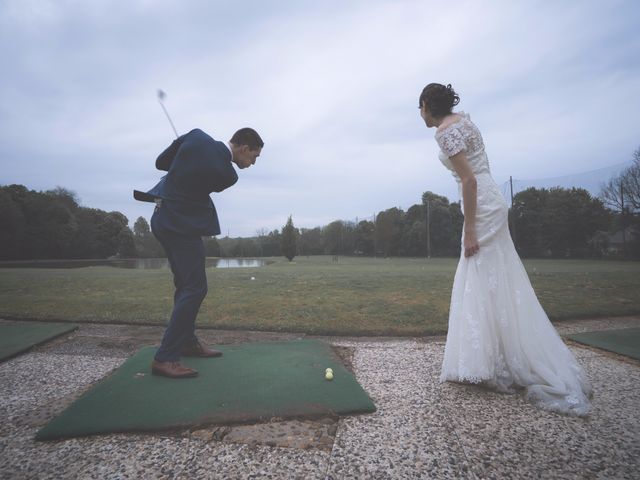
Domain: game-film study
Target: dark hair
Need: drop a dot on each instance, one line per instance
(439, 99)
(247, 136)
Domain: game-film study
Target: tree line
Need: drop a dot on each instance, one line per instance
(51, 225)
(544, 223)
(556, 222)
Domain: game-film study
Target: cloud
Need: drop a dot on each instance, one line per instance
(331, 86)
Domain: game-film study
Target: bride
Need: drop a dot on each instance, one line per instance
(499, 335)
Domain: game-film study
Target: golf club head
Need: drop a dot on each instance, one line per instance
(161, 95)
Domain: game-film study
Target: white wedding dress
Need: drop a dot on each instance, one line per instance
(499, 335)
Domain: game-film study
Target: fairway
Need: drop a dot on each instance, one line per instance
(317, 295)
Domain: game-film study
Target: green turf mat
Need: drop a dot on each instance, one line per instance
(16, 338)
(625, 342)
(251, 382)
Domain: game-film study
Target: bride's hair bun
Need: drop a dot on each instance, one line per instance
(439, 99)
(454, 95)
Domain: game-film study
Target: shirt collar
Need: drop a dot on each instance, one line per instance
(230, 151)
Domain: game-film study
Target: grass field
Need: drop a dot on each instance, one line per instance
(362, 296)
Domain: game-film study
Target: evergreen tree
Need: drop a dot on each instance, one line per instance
(288, 245)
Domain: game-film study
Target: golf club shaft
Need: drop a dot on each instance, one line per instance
(168, 117)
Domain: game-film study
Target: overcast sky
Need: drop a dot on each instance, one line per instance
(331, 86)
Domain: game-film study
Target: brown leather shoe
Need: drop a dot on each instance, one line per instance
(172, 370)
(200, 350)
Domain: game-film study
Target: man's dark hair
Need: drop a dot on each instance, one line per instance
(247, 136)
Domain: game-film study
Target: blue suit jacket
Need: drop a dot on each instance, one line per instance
(196, 166)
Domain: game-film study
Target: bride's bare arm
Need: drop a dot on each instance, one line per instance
(470, 201)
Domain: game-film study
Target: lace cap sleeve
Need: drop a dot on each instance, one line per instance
(451, 141)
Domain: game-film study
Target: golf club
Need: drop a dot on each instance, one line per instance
(161, 97)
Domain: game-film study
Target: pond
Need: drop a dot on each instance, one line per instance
(143, 263)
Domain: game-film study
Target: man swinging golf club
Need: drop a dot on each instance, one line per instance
(196, 166)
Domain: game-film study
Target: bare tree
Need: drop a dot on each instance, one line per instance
(612, 193)
(632, 186)
(623, 192)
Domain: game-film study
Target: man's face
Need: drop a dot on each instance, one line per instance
(244, 157)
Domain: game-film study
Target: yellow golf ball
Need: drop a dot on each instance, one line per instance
(328, 375)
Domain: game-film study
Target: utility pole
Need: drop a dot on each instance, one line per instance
(375, 236)
(624, 235)
(428, 228)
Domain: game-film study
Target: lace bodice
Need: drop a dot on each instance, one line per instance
(463, 135)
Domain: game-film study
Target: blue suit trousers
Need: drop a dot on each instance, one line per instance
(187, 260)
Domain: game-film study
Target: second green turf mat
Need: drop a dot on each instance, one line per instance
(625, 342)
(251, 382)
(19, 337)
